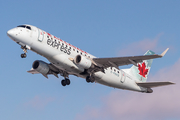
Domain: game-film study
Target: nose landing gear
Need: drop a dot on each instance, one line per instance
(25, 51)
(23, 55)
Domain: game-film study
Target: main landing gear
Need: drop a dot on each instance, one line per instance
(65, 82)
(25, 51)
(90, 79)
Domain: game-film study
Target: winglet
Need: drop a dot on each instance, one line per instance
(164, 52)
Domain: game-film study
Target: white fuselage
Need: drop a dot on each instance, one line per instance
(60, 53)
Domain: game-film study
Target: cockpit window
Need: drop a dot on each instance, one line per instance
(24, 26)
(28, 27)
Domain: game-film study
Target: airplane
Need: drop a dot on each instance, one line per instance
(66, 59)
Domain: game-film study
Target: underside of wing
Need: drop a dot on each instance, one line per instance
(119, 61)
(153, 84)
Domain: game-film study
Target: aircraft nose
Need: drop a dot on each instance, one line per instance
(10, 33)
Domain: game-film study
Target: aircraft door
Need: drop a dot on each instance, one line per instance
(123, 76)
(40, 35)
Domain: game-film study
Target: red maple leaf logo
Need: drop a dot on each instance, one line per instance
(142, 69)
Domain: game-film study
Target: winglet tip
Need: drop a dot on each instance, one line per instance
(164, 52)
(171, 82)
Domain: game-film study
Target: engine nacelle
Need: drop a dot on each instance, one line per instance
(41, 67)
(82, 62)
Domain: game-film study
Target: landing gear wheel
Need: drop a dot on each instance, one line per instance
(88, 79)
(67, 81)
(63, 82)
(92, 79)
(23, 55)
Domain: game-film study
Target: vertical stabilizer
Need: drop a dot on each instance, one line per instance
(141, 72)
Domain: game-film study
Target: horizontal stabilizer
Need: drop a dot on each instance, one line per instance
(32, 71)
(153, 84)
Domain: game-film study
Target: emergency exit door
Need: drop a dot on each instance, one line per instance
(40, 35)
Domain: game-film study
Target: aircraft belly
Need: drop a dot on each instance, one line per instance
(110, 80)
(99, 75)
(130, 84)
(62, 60)
(114, 81)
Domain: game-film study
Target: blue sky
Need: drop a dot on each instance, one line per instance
(105, 29)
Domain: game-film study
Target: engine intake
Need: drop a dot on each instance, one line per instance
(41, 67)
(82, 62)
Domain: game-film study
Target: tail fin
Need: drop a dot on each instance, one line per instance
(141, 72)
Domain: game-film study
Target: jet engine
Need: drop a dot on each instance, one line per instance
(82, 62)
(41, 67)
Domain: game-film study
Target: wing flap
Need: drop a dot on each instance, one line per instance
(154, 84)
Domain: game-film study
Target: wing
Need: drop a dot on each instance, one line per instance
(153, 84)
(119, 61)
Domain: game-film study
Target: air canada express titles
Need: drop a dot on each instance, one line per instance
(61, 45)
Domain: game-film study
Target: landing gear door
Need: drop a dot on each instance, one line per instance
(123, 76)
(40, 35)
